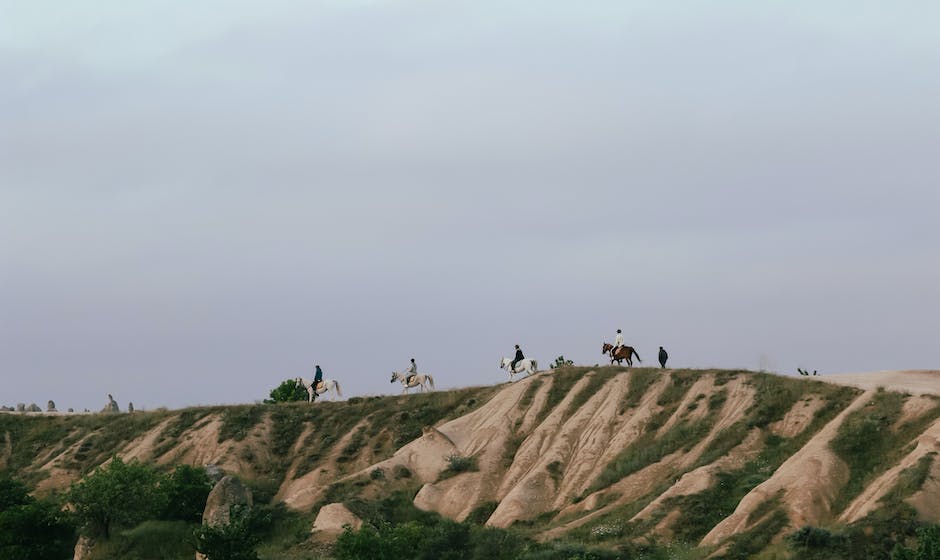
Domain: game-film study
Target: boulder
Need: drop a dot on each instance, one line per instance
(20, 407)
(34, 408)
(227, 492)
(214, 472)
(6, 408)
(130, 407)
(83, 548)
(50, 406)
(332, 520)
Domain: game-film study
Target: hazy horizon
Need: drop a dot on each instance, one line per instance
(200, 201)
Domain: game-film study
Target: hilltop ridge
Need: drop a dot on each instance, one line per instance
(709, 457)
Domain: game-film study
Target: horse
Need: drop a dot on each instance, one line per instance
(330, 386)
(527, 365)
(422, 380)
(624, 353)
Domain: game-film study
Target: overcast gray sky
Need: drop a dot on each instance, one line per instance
(201, 199)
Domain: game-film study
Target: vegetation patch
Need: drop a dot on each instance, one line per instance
(596, 380)
(563, 379)
(238, 421)
(641, 379)
(649, 449)
(869, 445)
(529, 394)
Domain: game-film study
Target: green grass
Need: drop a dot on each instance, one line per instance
(595, 382)
(649, 449)
(869, 445)
(563, 379)
(151, 540)
(641, 379)
(529, 394)
(238, 421)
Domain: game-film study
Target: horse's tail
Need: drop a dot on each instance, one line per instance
(430, 380)
(336, 384)
(535, 366)
(637, 356)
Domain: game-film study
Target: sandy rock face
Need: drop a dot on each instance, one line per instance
(83, 548)
(227, 493)
(333, 519)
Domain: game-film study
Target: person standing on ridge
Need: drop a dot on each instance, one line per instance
(412, 372)
(519, 357)
(663, 356)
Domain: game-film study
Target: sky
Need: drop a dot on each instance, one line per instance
(201, 199)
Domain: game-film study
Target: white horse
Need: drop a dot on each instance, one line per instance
(330, 386)
(422, 380)
(527, 365)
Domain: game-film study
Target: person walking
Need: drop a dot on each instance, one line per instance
(519, 357)
(663, 356)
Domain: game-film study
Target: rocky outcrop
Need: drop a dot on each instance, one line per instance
(333, 519)
(83, 548)
(112, 406)
(226, 493)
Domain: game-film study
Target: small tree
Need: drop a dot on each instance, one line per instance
(186, 490)
(560, 361)
(288, 391)
(30, 528)
(235, 540)
(117, 494)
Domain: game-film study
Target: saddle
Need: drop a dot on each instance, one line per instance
(319, 385)
(410, 378)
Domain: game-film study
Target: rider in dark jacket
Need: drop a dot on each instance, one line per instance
(519, 357)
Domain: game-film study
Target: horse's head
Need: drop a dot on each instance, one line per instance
(606, 348)
(394, 377)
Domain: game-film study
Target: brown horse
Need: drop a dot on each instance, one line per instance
(623, 353)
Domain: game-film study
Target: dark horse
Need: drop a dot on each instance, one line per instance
(624, 353)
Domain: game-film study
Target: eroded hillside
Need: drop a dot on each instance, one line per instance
(725, 459)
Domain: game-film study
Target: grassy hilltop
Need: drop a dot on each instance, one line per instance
(570, 463)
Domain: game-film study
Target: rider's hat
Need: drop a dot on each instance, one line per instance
(618, 330)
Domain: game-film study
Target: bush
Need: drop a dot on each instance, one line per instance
(288, 391)
(117, 494)
(560, 361)
(35, 530)
(186, 490)
(458, 463)
(236, 540)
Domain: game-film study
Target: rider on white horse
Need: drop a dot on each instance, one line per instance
(519, 357)
(412, 371)
(317, 378)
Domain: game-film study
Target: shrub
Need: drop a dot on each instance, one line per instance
(117, 494)
(560, 361)
(236, 540)
(186, 490)
(32, 529)
(458, 463)
(288, 391)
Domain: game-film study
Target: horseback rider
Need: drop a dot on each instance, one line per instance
(618, 344)
(519, 357)
(317, 379)
(412, 371)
